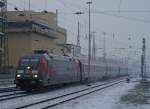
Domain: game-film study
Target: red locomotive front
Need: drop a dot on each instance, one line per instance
(38, 70)
(30, 71)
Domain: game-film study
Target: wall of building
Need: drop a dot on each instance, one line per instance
(25, 40)
(18, 44)
(22, 43)
(61, 36)
(42, 42)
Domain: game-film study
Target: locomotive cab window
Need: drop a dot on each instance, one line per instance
(29, 62)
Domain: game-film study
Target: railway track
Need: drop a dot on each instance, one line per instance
(10, 93)
(9, 89)
(13, 95)
(52, 102)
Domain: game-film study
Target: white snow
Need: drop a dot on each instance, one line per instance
(41, 96)
(5, 83)
(105, 99)
(135, 107)
(7, 86)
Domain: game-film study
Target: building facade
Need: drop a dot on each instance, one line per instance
(28, 31)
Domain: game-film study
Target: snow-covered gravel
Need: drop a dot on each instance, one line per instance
(5, 83)
(135, 107)
(7, 86)
(10, 104)
(106, 99)
(8, 93)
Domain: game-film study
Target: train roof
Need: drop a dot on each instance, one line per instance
(48, 56)
(101, 62)
(84, 60)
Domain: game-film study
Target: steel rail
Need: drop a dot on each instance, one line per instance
(73, 98)
(12, 93)
(13, 97)
(72, 93)
(9, 89)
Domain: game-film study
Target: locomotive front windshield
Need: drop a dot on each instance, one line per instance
(28, 61)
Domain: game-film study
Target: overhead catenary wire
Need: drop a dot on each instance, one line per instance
(124, 17)
(77, 6)
(105, 12)
(127, 11)
(109, 13)
(117, 16)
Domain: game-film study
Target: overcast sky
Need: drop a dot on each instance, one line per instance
(126, 19)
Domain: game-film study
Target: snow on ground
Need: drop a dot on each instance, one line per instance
(135, 107)
(109, 98)
(10, 104)
(5, 83)
(7, 86)
(105, 99)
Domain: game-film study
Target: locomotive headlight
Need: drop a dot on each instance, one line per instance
(35, 76)
(28, 67)
(18, 76)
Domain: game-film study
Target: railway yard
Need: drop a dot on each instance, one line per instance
(15, 99)
(108, 94)
(82, 54)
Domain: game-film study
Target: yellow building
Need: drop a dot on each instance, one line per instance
(28, 31)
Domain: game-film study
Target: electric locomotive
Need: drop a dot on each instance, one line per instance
(39, 69)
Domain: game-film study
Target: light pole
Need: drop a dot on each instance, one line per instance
(143, 60)
(104, 55)
(89, 50)
(78, 36)
(29, 5)
(30, 9)
(94, 47)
